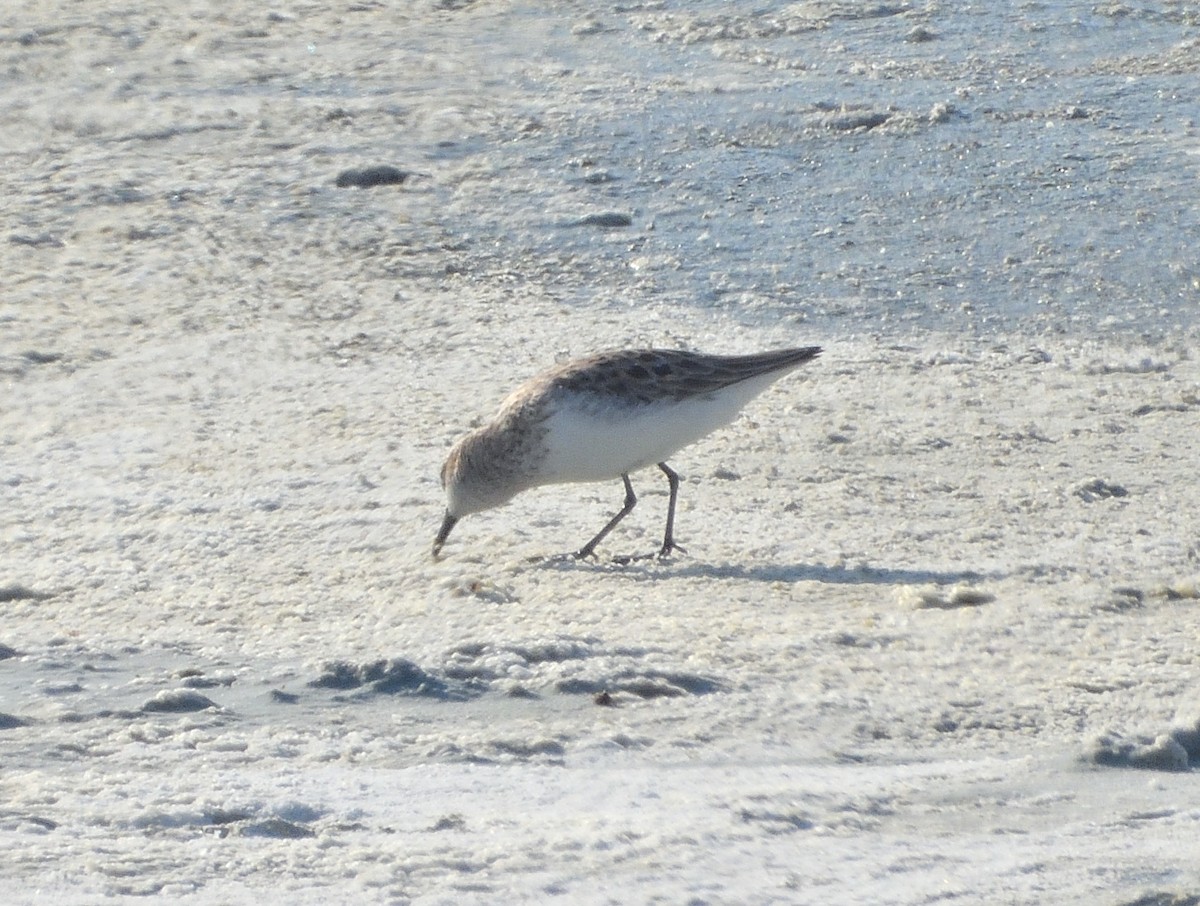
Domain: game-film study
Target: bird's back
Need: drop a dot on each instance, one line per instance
(659, 375)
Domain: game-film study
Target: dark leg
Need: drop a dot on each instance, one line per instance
(630, 499)
(669, 539)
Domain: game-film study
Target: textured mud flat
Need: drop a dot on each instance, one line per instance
(934, 636)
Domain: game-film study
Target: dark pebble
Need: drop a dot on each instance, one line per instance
(41, 240)
(606, 219)
(370, 177)
(178, 701)
(1098, 489)
(278, 828)
(16, 592)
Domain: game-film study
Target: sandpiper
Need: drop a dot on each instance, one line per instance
(604, 417)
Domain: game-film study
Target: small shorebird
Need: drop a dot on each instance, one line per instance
(603, 417)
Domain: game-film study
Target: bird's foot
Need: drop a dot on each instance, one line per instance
(668, 548)
(663, 554)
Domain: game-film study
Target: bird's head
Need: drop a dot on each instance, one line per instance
(475, 479)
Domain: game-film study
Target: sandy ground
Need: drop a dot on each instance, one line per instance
(934, 636)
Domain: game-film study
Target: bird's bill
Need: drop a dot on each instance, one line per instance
(443, 533)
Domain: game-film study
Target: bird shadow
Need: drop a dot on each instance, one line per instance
(649, 568)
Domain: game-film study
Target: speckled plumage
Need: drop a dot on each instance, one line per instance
(604, 417)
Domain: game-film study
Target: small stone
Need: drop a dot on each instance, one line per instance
(372, 177)
(453, 821)
(1098, 489)
(178, 701)
(17, 592)
(605, 219)
(277, 828)
(963, 596)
